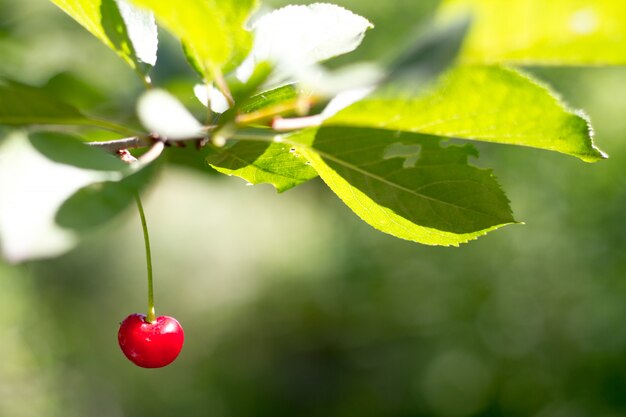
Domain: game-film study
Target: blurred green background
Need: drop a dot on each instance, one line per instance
(294, 307)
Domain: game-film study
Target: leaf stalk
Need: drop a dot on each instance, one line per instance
(151, 316)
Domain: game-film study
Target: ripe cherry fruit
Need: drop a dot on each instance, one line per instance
(150, 341)
(151, 345)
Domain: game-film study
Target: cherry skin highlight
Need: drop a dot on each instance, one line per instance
(150, 345)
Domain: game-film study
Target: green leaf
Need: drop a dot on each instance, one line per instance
(189, 157)
(270, 98)
(73, 90)
(162, 113)
(22, 105)
(489, 104)
(258, 162)
(241, 92)
(296, 37)
(39, 174)
(99, 203)
(262, 107)
(212, 31)
(554, 32)
(127, 30)
(406, 184)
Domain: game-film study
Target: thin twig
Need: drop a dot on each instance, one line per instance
(153, 153)
(126, 156)
(222, 85)
(295, 123)
(114, 146)
(268, 113)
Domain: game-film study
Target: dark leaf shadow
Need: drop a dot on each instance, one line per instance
(415, 177)
(97, 204)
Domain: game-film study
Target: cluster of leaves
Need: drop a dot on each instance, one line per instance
(387, 139)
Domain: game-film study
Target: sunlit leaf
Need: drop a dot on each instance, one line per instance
(327, 83)
(131, 32)
(258, 162)
(264, 106)
(554, 32)
(296, 37)
(344, 100)
(270, 98)
(212, 30)
(489, 104)
(407, 184)
(241, 91)
(162, 113)
(209, 94)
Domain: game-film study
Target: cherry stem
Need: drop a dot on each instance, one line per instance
(151, 317)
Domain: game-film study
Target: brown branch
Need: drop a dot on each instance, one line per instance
(151, 155)
(114, 146)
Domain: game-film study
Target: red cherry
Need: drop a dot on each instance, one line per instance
(150, 345)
